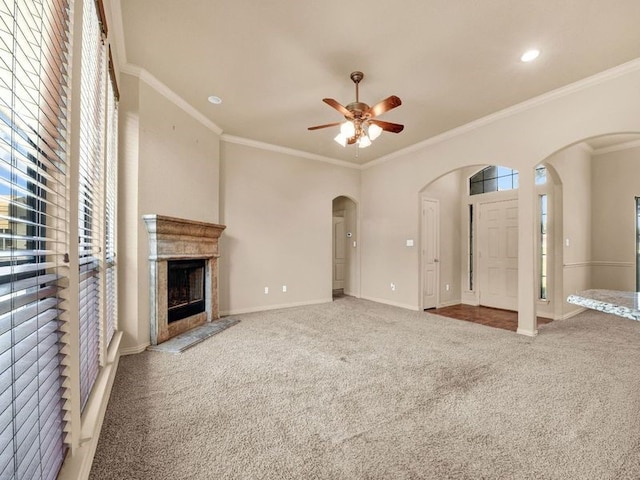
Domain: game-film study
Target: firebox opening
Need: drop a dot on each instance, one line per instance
(185, 288)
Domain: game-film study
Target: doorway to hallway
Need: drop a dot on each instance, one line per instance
(344, 248)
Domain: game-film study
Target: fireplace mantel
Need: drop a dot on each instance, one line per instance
(175, 239)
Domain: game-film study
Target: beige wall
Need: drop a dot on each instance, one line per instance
(278, 212)
(170, 166)
(573, 166)
(614, 187)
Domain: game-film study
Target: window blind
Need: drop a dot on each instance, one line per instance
(92, 139)
(34, 46)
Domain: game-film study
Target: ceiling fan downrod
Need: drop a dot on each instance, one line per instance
(356, 77)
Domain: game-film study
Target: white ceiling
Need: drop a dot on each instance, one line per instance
(450, 61)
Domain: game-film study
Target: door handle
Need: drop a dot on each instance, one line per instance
(435, 260)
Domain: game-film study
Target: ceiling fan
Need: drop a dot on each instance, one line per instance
(361, 126)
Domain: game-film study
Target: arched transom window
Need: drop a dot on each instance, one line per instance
(493, 179)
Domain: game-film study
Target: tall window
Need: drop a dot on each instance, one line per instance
(637, 244)
(543, 240)
(471, 247)
(541, 175)
(92, 148)
(34, 40)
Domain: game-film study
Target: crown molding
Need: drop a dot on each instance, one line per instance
(162, 89)
(617, 148)
(169, 94)
(580, 85)
(287, 151)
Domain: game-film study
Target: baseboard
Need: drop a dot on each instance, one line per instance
(77, 464)
(449, 304)
(265, 308)
(573, 313)
(393, 304)
(134, 350)
(528, 333)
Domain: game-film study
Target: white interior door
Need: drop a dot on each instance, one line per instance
(339, 252)
(430, 253)
(498, 254)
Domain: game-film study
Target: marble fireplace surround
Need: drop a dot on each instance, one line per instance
(180, 239)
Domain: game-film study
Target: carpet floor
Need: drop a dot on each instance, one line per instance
(358, 390)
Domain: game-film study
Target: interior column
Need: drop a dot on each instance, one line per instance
(527, 324)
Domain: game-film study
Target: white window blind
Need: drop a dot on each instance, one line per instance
(92, 139)
(34, 46)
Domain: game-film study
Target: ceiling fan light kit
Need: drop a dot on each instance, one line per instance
(361, 127)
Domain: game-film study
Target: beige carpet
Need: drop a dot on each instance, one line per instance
(358, 390)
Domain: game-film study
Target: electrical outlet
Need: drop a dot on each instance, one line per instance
(284, 288)
(266, 290)
(446, 287)
(393, 287)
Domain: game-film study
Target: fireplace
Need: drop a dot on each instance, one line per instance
(185, 288)
(183, 275)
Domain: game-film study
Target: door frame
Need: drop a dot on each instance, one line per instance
(423, 244)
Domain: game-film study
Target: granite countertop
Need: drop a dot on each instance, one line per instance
(623, 304)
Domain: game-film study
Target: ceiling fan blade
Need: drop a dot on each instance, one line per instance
(388, 126)
(324, 126)
(385, 105)
(333, 103)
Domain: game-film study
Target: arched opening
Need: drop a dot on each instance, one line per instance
(583, 202)
(454, 236)
(453, 233)
(597, 221)
(344, 248)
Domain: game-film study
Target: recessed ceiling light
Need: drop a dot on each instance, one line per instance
(215, 100)
(530, 55)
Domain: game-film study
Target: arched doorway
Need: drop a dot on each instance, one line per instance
(455, 233)
(344, 248)
(596, 221)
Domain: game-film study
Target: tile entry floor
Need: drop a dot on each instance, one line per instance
(491, 317)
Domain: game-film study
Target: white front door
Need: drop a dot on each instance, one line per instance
(498, 254)
(339, 252)
(430, 252)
